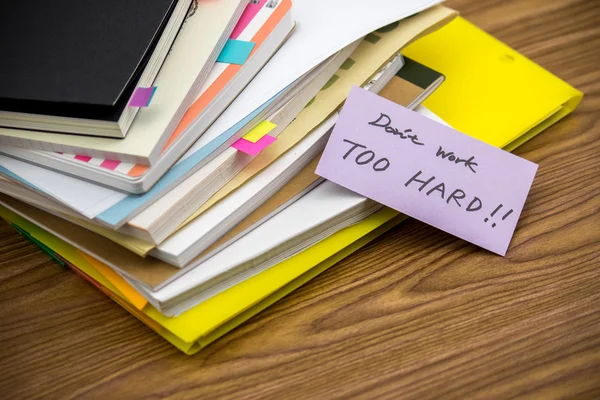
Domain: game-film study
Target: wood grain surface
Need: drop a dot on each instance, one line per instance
(416, 314)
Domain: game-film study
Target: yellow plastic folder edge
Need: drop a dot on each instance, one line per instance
(211, 319)
(478, 69)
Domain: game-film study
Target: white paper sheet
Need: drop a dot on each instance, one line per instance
(84, 197)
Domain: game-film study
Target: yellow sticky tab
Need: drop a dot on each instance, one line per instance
(259, 131)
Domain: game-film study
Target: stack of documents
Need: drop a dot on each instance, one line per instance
(208, 209)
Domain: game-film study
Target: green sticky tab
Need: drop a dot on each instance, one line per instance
(41, 245)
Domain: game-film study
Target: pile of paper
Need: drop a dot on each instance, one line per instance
(209, 209)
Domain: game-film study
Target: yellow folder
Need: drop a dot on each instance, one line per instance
(491, 91)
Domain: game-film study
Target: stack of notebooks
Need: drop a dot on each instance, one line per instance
(167, 152)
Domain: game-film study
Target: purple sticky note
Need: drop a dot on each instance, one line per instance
(428, 171)
(142, 96)
(253, 149)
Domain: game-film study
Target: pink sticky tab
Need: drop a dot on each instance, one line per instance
(248, 15)
(427, 170)
(83, 158)
(142, 96)
(110, 164)
(253, 149)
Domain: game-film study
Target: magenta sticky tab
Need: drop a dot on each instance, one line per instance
(427, 170)
(142, 96)
(253, 149)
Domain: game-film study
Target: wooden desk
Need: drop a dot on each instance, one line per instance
(416, 314)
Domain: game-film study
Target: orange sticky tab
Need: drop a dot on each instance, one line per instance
(203, 101)
(225, 77)
(138, 170)
(136, 299)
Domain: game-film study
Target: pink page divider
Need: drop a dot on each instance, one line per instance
(142, 96)
(251, 10)
(110, 164)
(253, 149)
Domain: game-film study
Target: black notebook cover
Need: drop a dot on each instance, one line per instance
(76, 58)
(418, 74)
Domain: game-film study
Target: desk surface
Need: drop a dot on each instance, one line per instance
(415, 314)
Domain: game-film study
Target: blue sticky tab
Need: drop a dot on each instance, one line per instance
(235, 52)
(152, 94)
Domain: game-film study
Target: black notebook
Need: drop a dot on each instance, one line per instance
(75, 59)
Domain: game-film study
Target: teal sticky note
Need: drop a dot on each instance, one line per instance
(235, 52)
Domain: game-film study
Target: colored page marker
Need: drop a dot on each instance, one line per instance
(142, 96)
(253, 149)
(259, 131)
(235, 52)
(249, 13)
